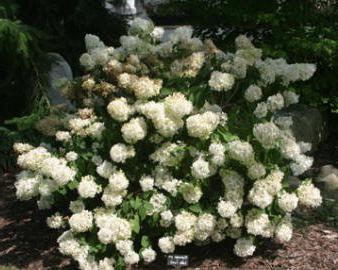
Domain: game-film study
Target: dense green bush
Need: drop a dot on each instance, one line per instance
(298, 30)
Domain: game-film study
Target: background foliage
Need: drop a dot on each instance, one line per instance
(28, 30)
(298, 30)
(20, 53)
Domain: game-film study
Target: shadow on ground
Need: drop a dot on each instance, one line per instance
(25, 240)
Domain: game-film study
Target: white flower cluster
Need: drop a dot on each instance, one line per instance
(287, 201)
(81, 222)
(114, 192)
(167, 116)
(139, 27)
(309, 195)
(278, 69)
(43, 175)
(145, 88)
(233, 195)
(120, 152)
(283, 231)
(202, 125)
(55, 221)
(258, 223)
(191, 194)
(221, 81)
(84, 124)
(98, 53)
(151, 151)
(157, 202)
(87, 187)
(119, 109)
(241, 151)
(190, 66)
(147, 183)
(112, 229)
(202, 169)
(244, 247)
(264, 190)
(135, 130)
(27, 185)
(217, 152)
(168, 154)
(267, 134)
(253, 93)
(21, 148)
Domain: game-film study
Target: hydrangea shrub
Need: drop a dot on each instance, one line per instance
(174, 142)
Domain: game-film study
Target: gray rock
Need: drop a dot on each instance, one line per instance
(309, 125)
(60, 70)
(327, 180)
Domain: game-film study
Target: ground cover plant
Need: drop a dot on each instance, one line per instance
(173, 142)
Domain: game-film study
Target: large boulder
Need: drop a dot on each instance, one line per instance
(59, 72)
(309, 125)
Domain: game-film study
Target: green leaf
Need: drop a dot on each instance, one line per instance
(135, 224)
(145, 242)
(226, 136)
(195, 208)
(136, 204)
(120, 265)
(166, 91)
(95, 248)
(125, 207)
(25, 122)
(155, 218)
(144, 209)
(62, 191)
(73, 185)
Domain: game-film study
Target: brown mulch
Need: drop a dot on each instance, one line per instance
(316, 248)
(25, 240)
